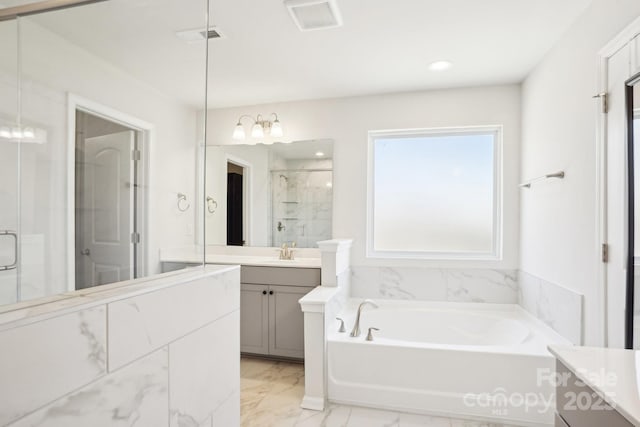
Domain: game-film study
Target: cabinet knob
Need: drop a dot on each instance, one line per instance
(264, 292)
(270, 292)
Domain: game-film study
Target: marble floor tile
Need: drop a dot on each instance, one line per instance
(271, 392)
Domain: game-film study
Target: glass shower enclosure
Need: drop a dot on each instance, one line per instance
(97, 138)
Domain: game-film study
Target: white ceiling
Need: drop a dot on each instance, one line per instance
(384, 45)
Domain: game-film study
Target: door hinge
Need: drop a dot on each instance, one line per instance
(135, 238)
(604, 100)
(135, 155)
(605, 252)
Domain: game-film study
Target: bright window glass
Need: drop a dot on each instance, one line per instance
(435, 193)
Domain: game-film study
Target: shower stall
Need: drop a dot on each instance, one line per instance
(301, 206)
(123, 177)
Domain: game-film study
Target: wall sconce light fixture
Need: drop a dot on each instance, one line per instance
(260, 128)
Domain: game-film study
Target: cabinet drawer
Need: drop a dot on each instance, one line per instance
(580, 406)
(288, 276)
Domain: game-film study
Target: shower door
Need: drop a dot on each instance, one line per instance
(9, 154)
(9, 166)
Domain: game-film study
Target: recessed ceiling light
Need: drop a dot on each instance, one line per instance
(319, 154)
(440, 65)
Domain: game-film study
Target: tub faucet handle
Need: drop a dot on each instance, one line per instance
(370, 334)
(342, 328)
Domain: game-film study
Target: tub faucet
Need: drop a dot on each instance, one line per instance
(356, 328)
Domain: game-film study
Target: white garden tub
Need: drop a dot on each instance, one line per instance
(485, 361)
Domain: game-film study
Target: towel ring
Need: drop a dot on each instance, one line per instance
(183, 205)
(212, 205)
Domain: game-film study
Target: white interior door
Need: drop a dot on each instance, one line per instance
(616, 198)
(106, 210)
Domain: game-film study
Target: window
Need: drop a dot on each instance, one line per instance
(435, 194)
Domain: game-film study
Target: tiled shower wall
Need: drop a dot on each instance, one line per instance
(164, 358)
(302, 204)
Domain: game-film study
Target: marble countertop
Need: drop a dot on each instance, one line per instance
(38, 309)
(612, 373)
(254, 260)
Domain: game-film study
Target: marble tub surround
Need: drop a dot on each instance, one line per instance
(169, 358)
(557, 306)
(433, 284)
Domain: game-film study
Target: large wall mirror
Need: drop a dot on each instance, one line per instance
(269, 195)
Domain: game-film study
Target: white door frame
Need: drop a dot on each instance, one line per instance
(246, 195)
(146, 143)
(622, 40)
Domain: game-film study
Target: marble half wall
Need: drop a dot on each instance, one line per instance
(151, 354)
(432, 284)
(557, 306)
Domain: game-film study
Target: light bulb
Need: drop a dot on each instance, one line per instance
(319, 154)
(238, 132)
(276, 129)
(257, 131)
(5, 132)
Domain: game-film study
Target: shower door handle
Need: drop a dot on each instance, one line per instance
(14, 265)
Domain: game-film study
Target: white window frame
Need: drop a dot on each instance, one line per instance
(496, 254)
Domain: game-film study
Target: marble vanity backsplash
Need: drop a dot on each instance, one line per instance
(433, 284)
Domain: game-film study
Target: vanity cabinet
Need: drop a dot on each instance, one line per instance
(271, 321)
(578, 405)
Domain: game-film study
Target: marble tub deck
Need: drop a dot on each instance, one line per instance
(271, 392)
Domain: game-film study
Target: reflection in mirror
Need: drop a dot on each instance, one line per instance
(269, 195)
(91, 87)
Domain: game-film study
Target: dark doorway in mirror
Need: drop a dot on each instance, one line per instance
(235, 211)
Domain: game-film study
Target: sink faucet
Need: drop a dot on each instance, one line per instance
(286, 252)
(356, 328)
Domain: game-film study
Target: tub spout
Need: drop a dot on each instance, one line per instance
(356, 328)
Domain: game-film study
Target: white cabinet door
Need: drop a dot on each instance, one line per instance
(254, 319)
(286, 321)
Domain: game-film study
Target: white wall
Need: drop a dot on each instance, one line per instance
(558, 219)
(347, 121)
(52, 68)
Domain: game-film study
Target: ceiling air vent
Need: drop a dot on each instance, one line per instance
(198, 35)
(314, 14)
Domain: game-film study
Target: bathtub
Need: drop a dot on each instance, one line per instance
(466, 360)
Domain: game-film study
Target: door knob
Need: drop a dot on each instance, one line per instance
(85, 252)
